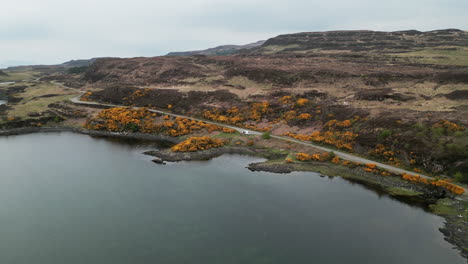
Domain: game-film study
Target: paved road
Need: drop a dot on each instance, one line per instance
(342, 155)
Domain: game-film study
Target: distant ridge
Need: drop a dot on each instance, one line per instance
(363, 40)
(63, 66)
(220, 50)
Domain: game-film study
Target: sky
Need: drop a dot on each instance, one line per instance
(55, 31)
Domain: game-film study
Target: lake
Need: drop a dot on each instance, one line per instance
(70, 198)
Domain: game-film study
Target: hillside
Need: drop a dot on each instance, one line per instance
(364, 40)
(401, 84)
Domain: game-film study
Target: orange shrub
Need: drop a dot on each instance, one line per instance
(290, 115)
(440, 183)
(121, 119)
(449, 186)
(335, 160)
(142, 120)
(85, 97)
(228, 130)
(335, 124)
(304, 116)
(198, 143)
(287, 99)
(316, 156)
(371, 167)
(302, 101)
(343, 140)
(303, 156)
(449, 125)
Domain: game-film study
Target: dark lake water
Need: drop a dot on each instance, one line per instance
(68, 198)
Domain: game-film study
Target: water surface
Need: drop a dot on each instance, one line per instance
(68, 198)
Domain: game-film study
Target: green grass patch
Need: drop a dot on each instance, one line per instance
(278, 48)
(246, 82)
(227, 135)
(18, 76)
(444, 56)
(402, 191)
(444, 207)
(33, 100)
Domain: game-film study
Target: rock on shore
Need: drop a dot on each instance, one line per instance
(170, 156)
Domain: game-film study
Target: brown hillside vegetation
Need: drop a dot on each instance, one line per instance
(375, 93)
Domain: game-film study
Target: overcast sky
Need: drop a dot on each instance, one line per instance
(54, 31)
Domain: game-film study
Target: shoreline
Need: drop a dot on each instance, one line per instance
(455, 230)
(31, 130)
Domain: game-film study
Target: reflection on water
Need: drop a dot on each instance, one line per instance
(67, 198)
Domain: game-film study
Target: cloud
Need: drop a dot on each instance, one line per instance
(53, 31)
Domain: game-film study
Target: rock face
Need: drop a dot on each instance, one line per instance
(275, 168)
(158, 161)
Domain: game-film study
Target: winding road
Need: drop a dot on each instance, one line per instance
(342, 155)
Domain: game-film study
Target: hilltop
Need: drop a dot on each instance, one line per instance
(364, 40)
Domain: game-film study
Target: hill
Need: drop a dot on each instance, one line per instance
(53, 68)
(365, 40)
(220, 50)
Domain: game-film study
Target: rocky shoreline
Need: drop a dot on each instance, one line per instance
(169, 156)
(30, 130)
